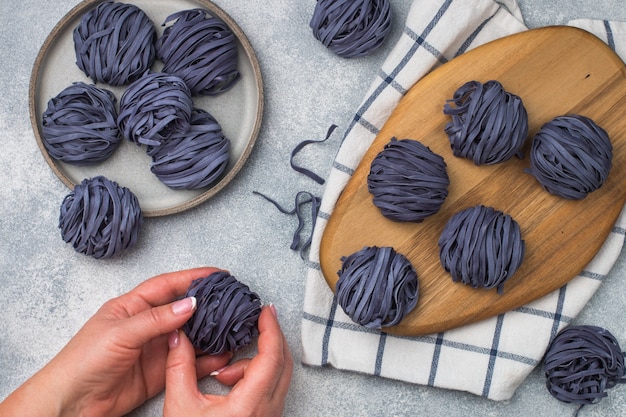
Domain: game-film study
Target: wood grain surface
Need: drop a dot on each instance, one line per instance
(556, 71)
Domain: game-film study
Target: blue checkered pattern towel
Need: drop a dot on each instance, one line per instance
(490, 358)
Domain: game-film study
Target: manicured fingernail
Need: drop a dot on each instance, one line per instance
(184, 306)
(174, 339)
(218, 371)
(273, 309)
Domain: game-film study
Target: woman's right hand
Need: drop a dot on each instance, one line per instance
(259, 385)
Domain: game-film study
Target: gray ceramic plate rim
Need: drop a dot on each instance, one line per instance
(239, 110)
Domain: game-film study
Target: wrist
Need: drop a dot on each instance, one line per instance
(57, 392)
(68, 396)
(39, 396)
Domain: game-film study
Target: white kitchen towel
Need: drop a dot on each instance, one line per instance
(490, 358)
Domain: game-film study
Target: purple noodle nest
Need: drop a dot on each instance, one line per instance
(194, 159)
(200, 49)
(79, 125)
(351, 28)
(227, 314)
(409, 182)
(114, 43)
(481, 247)
(154, 108)
(377, 287)
(582, 363)
(489, 125)
(571, 156)
(100, 218)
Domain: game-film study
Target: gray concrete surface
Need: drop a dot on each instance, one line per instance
(47, 290)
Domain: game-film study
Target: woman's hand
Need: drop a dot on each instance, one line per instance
(117, 360)
(260, 384)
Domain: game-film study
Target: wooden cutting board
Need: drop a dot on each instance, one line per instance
(555, 70)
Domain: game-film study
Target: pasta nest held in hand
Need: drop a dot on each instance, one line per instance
(226, 316)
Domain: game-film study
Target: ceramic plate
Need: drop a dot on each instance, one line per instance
(239, 110)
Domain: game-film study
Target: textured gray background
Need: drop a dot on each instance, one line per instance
(48, 290)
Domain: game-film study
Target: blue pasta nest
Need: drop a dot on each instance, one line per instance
(114, 43)
(351, 28)
(481, 247)
(582, 363)
(409, 182)
(194, 159)
(154, 108)
(489, 125)
(100, 218)
(377, 287)
(200, 49)
(79, 125)
(227, 314)
(571, 156)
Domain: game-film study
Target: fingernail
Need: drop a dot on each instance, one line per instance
(174, 339)
(184, 306)
(218, 371)
(273, 310)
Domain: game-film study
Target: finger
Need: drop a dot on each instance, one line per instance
(282, 387)
(180, 370)
(207, 364)
(144, 326)
(167, 287)
(261, 375)
(232, 373)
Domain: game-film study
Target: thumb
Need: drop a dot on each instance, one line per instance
(158, 321)
(180, 373)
